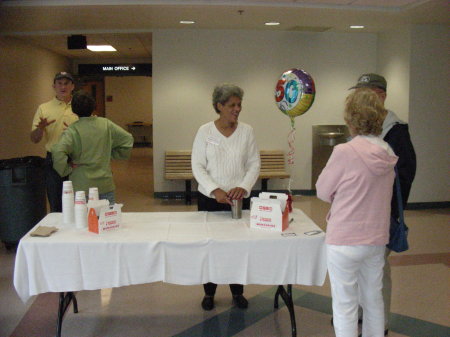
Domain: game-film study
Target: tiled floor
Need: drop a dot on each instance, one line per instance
(420, 303)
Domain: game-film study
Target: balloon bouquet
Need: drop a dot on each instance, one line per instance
(294, 95)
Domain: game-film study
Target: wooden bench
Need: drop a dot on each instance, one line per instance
(272, 166)
(178, 167)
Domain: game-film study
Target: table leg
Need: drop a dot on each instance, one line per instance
(187, 197)
(264, 185)
(287, 298)
(64, 302)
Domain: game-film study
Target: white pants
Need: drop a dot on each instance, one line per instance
(387, 290)
(356, 274)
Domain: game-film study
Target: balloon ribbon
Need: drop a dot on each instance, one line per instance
(290, 156)
(291, 140)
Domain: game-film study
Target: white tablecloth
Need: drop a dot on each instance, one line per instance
(184, 248)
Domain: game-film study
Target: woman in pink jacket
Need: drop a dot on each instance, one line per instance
(357, 181)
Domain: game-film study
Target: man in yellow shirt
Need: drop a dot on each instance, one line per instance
(50, 120)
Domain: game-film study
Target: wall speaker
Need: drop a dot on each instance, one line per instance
(76, 42)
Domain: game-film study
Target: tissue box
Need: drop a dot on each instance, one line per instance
(270, 211)
(104, 219)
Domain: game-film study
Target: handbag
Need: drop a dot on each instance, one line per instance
(398, 232)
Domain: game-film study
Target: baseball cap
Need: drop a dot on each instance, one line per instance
(371, 81)
(63, 74)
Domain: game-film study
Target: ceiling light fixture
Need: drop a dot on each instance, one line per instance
(272, 23)
(356, 27)
(187, 22)
(101, 48)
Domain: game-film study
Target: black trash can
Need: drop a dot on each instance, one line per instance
(22, 197)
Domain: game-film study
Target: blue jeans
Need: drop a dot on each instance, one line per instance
(110, 196)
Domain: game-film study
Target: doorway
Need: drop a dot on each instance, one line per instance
(97, 90)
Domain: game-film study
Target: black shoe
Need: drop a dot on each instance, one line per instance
(385, 333)
(240, 301)
(208, 303)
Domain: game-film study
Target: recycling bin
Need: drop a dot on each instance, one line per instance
(22, 197)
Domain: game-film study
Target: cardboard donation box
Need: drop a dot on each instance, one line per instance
(104, 218)
(270, 211)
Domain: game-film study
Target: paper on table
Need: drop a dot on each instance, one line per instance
(43, 231)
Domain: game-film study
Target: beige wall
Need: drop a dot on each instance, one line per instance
(26, 78)
(188, 64)
(131, 99)
(394, 52)
(415, 62)
(429, 117)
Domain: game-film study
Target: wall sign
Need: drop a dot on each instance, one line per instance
(130, 69)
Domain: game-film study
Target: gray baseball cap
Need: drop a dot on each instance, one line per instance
(63, 74)
(371, 81)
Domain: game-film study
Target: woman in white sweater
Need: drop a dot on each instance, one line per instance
(225, 163)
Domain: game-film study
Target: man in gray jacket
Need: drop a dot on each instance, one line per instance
(396, 134)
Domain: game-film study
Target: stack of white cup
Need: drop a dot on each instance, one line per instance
(93, 193)
(68, 203)
(80, 210)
